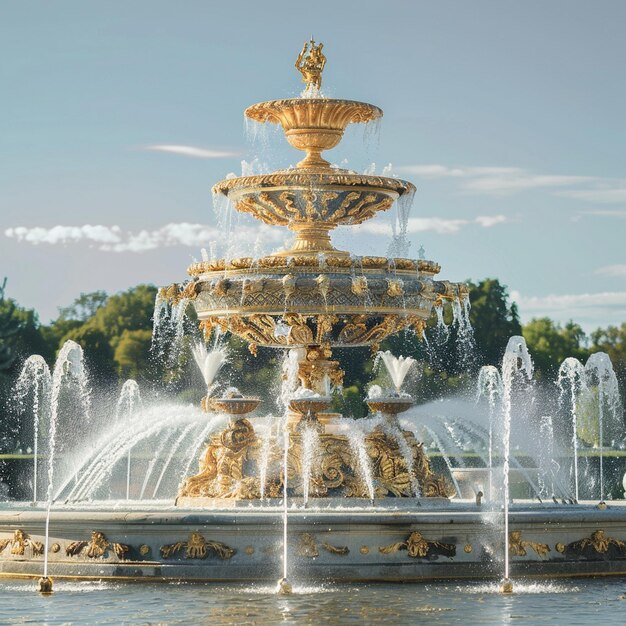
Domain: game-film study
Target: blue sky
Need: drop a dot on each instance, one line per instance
(508, 116)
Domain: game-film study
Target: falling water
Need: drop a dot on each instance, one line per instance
(127, 405)
(516, 359)
(35, 382)
(285, 505)
(310, 447)
(168, 329)
(356, 439)
(546, 457)
(599, 373)
(392, 431)
(264, 460)
(490, 386)
(572, 376)
(466, 344)
(446, 458)
(442, 332)
(173, 450)
(165, 437)
(68, 367)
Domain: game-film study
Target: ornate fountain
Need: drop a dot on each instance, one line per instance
(311, 299)
(394, 522)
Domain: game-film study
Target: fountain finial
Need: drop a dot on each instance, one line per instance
(310, 63)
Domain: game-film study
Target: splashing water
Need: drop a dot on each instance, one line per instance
(35, 382)
(599, 374)
(356, 439)
(546, 457)
(490, 386)
(572, 377)
(516, 359)
(466, 344)
(397, 367)
(68, 368)
(310, 448)
(209, 363)
(168, 329)
(264, 459)
(127, 405)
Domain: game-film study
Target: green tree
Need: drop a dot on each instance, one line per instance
(494, 320)
(84, 307)
(128, 310)
(132, 354)
(551, 343)
(9, 328)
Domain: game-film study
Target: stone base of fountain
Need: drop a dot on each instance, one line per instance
(397, 540)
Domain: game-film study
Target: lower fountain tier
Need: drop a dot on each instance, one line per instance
(237, 464)
(400, 542)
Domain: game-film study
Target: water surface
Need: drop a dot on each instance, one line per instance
(601, 601)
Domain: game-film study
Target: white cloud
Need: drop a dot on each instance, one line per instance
(439, 225)
(113, 239)
(487, 221)
(618, 271)
(604, 213)
(602, 195)
(192, 151)
(588, 309)
(495, 180)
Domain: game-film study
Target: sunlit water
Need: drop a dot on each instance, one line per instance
(571, 603)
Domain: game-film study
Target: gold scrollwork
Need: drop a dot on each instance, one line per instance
(419, 547)
(518, 546)
(19, 542)
(97, 547)
(197, 547)
(598, 543)
(308, 547)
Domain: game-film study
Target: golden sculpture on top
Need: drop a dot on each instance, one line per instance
(311, 65)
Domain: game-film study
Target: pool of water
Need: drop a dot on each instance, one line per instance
(570, 602)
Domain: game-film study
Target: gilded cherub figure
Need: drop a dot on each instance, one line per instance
(310, 63)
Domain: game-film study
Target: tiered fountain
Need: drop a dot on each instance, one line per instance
(337, 498)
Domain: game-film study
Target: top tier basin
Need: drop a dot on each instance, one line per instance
(313, 124)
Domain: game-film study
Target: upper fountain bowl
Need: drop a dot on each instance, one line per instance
(313, 124)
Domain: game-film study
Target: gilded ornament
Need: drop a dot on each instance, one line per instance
(98, 546)
(55, 547)
(467, 548)
(19, 542)
(597, 543)
(364, 550)
(395, 288)
(307, 547)
(517, 546)
(560, 547)
(359, 286)
(419, 547)
(144, 549)
(197, 547)
(310, 63)
(249, 550)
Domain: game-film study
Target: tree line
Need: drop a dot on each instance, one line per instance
(115, 332)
